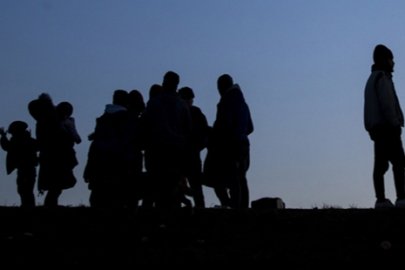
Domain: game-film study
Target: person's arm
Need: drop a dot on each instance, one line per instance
(71, 128)
(4, 142)
(389, 103)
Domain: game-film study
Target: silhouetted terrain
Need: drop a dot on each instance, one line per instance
(291, 237)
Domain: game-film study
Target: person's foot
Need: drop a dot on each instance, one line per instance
(400, 203)
(221, 207)
(381, 204)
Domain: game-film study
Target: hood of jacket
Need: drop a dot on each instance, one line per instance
(113, 108)
(115, 115)
(235, 93)
(387, 70)
(168, 97)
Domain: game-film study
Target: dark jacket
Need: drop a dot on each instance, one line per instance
(200, 129)
(381, 104)
(233, 122)
(21, 152)
(57, 158)
(167, 122)
(112, 151)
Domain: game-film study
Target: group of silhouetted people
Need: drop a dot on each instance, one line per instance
(55, 137)
(138, 151)
(165, 137)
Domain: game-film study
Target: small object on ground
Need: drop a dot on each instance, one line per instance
(385, 245)
(268, 203)
(384, 204)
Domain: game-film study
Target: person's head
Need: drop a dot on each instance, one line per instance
(155, 90)
(40, 108)
(120, 97)
(135, 102)
(383, 57)
(187, 94)
(224, 83)
(34, 108)
(64, 109)
(170, 81)
(17, 128)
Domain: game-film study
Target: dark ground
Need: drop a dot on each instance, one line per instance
(292, 238)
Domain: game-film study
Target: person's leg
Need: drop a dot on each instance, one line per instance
(397, 158)
(151, 178)
(51, 199)
(193, 172)
(235, 185)
(99, 197)
(93, 200)
(381, 166)
(244, 166)
(195, 181)
(239, 190)
(222, 195)
(25, 187)
(131, 195)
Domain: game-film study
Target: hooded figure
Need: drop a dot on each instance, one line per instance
(227, 160)
(111, 154)
(193, 168)
(383, 119)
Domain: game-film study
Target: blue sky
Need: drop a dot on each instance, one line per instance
(302, 66)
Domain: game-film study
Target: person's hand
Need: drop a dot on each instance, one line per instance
(3, 132)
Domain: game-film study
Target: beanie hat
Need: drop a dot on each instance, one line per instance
(17, 127)
(382, 53)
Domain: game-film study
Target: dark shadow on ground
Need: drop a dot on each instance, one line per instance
(119, 237)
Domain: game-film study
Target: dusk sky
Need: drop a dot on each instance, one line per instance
(302, 66)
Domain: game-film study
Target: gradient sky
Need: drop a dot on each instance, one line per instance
(302, 66)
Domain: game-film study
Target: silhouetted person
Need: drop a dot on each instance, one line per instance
(154, 91)
(136, 106)
(193, 167)
(21, 155)
(67, 122)
(167, 131)
(148, 200)
(57, 157)
(111, 154)
(228, 146)
(383, 120)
